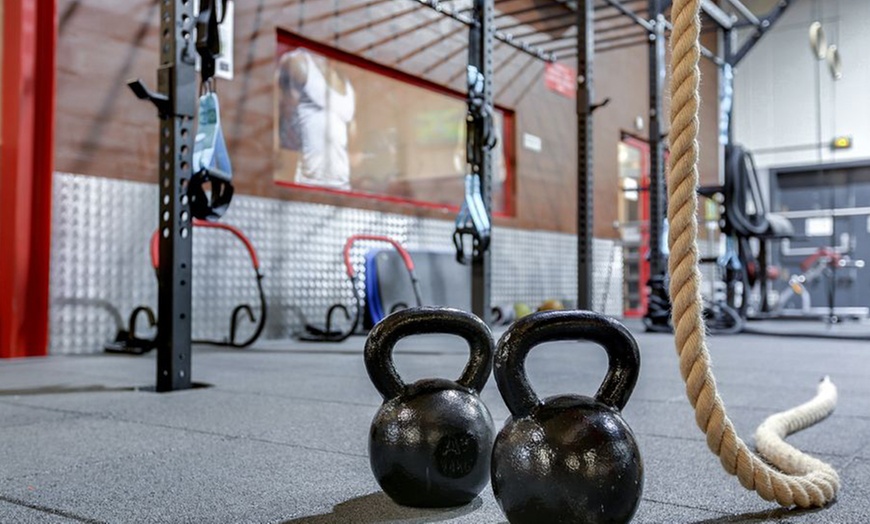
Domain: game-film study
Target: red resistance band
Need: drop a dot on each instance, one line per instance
(406, 257)
(822, 252)
(155, 241)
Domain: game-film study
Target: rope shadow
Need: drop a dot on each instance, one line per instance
(760, 516)
(377, 508)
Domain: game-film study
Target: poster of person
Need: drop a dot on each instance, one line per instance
(316, 119)
(349, 127)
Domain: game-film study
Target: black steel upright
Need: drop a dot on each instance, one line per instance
(480, 47)
(656, 136)
(585, 95)
(176, 102)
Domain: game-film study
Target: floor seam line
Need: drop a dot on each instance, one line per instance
(50, 511)
(103, 416)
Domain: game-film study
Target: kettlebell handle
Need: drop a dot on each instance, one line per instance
(427, 320)
(551, 326)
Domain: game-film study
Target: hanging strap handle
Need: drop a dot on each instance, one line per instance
(473, 219)
(211, 163)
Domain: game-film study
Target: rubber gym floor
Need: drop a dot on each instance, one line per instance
(281, 436)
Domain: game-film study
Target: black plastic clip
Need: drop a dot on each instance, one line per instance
(599, 105)
(208, 44)
(142, 92)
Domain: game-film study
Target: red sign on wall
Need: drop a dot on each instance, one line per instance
(561, 79)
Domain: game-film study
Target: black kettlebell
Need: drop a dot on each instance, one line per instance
(431, 441)
(570, 458)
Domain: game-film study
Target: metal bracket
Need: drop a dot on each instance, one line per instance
(160, 101)
(599, 105)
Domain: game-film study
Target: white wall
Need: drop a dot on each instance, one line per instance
(776, 98)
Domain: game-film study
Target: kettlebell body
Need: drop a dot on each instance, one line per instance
(439, 432)
(430, 443)
(569, 458)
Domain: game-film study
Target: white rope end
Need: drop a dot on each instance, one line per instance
(827, 386)
(770, 435)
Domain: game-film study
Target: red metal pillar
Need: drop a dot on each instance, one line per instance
(26, 167)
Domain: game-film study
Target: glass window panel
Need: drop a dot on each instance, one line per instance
(367, 131)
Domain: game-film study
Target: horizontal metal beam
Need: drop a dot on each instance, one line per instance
(760, 30)
(615, 27)
(506, 38)
(715, 13)
(839, 212)
(613, 16)
(745, 12)
(525, 47)
(555, 16)
(616, 4)
(711, 56)
(623, 7)
(447, 10)
(626, 3)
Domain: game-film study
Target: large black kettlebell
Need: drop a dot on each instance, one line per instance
(431, 441)
(569, 458)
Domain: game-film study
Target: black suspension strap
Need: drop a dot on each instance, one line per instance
(210, 187)
(473, 220)
(208, 43)
(211, 163)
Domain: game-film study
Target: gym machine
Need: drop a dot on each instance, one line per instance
(737, 161)
(128, 342)
(823, 263)
(326, 333)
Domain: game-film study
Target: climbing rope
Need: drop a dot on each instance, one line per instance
(800, 480)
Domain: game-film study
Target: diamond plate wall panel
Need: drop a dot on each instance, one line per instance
(99, 259)
(101, 270)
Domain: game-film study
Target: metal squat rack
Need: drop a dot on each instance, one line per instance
(175, 100)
